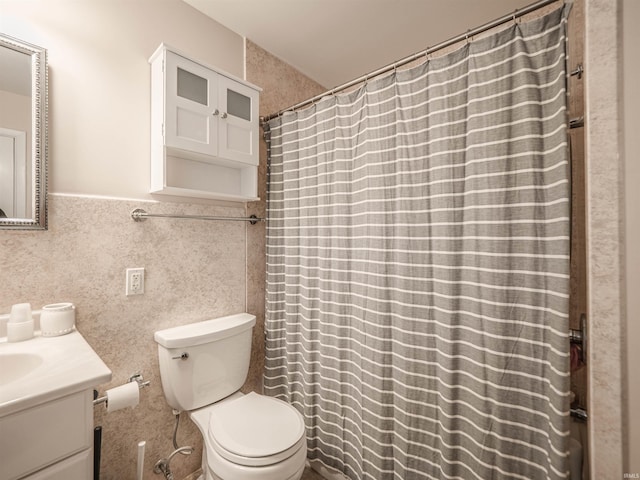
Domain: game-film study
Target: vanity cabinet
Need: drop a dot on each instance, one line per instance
(204, 130)
(54, 440)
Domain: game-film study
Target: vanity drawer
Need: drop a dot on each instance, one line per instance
(42, 435)
(78, 467)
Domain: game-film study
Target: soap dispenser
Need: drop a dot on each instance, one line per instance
(20, 324)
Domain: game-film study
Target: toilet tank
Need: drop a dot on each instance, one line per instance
(204, 362)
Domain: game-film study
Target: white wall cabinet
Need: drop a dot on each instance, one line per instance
(204, 130)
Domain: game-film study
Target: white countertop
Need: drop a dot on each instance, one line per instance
(69, 365)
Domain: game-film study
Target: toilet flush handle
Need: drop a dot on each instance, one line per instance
(183, 356)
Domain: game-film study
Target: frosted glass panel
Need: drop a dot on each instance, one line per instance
(192, 87)
(238, 105)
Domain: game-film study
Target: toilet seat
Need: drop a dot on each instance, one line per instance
(255, 430)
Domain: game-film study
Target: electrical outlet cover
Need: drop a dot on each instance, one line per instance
(135, 281)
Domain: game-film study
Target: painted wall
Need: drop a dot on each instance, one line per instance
(99, 81)
(99, 139)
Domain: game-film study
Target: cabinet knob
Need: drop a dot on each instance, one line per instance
(224, 114)
(216, 112)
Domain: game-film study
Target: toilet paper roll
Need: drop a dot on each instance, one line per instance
(124, 396)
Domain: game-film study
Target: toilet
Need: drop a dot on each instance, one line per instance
(246, 437)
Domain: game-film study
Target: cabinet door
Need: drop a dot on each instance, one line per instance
(191, 108)
(238, 132)
(39, 436)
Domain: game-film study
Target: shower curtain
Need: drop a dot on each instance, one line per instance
(418, 265)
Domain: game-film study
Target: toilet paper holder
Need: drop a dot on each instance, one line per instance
(136, 377)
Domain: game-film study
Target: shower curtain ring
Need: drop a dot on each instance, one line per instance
(516, 18)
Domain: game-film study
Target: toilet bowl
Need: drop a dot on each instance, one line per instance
(251, 437)
(246, 437)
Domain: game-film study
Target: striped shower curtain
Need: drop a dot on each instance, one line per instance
(418, 266)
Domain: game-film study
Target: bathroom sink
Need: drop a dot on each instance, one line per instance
(43, 369)
(14, 366)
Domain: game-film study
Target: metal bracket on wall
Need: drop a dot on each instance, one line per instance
(579, 336)
(576, 122)
(578, 71)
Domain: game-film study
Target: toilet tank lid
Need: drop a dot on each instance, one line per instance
(204, 332)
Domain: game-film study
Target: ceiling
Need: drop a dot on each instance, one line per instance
(334, 41)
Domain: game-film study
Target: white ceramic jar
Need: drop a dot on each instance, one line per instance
(57, 319)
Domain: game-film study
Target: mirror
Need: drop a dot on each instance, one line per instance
(23, 135)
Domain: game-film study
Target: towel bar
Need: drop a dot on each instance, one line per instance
(140, 215)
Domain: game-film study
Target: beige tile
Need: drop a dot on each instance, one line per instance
(605, 222)
(194, 270)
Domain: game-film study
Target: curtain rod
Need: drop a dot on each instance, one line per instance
(463, 36)
(139, 215)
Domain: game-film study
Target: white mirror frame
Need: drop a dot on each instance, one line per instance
(39, 151)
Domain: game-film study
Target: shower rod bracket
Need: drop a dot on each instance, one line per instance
(140, 215)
